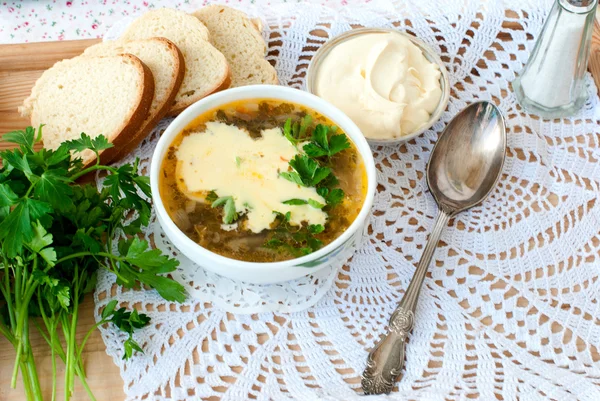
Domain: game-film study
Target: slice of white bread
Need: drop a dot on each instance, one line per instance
(107, 96)
(167, 65)
(206, 69)
(240, 40)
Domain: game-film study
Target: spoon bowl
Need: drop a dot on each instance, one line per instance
(467, 159)
(463, 168)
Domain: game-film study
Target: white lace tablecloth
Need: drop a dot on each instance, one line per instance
(510, 309)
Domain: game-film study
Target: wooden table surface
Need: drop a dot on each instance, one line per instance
(103, 374)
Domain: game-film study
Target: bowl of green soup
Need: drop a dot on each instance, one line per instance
(263, 184)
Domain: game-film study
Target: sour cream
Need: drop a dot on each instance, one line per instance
(383, 82)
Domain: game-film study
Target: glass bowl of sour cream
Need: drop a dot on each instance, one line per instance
(391, 84)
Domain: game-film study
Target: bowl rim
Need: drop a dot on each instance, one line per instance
(274, 92)
(429, 53)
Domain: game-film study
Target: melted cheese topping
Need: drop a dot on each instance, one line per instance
(225, 159)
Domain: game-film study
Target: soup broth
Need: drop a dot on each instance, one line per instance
(262, 181)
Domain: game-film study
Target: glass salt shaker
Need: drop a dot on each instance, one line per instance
(552, 83)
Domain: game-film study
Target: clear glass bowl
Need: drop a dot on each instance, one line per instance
(428, 52)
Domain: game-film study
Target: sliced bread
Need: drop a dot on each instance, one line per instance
(206, 69)
(240, 40)
(107, 96)
(167, 65)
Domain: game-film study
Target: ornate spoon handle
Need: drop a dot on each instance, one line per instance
(386, 360)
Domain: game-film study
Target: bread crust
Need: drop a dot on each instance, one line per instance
(224, 84)
(149, 125)
(136, 117)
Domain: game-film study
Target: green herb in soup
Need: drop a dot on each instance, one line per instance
(263, 181)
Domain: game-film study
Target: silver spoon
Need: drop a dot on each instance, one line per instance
(464, 166)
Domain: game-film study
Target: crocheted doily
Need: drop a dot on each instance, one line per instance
(510, 307)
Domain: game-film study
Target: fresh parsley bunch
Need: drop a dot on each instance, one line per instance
(54, 235)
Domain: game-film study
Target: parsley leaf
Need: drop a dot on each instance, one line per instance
(285, 218)
(38, 210)
(316, 204)
(56, 288)
(150, 260)
(123, 183)
(212, 196)
(319, 145)
(322, 145)
(304, 124)
(53, 187)
(40, 242)
(332, 196)
(299, 202)
(335, 196)
(273, 243)
(296, 132)
(16, 159)
(167, 288)
(337, 143)
(86, 239)
(297, 241)
(54, 157)
(295, 202)
(15, 229)
(230, 214)
(25, 139)
(308, 171)
(316, 228)
(287, 132)
(129, 346)
(7, 196)
(127, 322)
(109, 309)
(96, 144)
(292, 176)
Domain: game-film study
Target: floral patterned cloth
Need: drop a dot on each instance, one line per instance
(45, 20)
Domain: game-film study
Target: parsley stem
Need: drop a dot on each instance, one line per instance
(5, 331)
(6, 293)
(51, 327)
(22, 314)
(26, 196)
(26, 383)
(87, 388)
(71, 341)
(87, 336)
(41, 331)
(30, 367)
(17, 287)
(86, 253)
(107, 255)
(13, 382)
(93, 168)
(53, 355)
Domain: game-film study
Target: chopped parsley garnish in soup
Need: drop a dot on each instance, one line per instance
(263, 181)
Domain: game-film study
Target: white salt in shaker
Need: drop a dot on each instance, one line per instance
(551, 85)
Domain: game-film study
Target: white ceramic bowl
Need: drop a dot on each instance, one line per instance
(331, 255)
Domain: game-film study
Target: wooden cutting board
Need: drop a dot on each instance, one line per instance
(20, 66)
